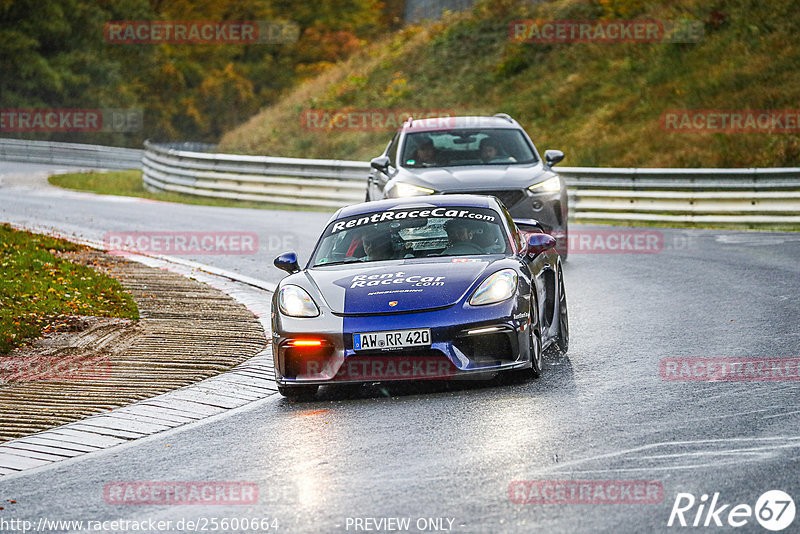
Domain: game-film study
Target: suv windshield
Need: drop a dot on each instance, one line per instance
(412, 233)
(452, 148)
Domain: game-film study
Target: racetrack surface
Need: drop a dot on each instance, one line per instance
(601, 413)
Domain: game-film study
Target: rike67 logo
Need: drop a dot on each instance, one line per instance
(774, 510)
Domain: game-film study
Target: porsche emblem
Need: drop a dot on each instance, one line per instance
(392, 303)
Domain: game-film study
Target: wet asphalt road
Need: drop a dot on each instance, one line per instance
(601, 413)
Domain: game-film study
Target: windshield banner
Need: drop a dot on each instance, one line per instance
(398, 215)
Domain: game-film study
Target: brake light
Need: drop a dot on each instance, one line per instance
(306, 343)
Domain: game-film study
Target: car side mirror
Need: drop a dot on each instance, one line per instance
(538, 243)
(551, 157)
(287, 262)
(381, 163)
(529, 225)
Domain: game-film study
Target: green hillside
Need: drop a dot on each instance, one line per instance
(599, 102)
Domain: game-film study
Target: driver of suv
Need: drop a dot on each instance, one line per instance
(489, 150)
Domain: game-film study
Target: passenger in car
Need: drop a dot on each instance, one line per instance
(460, 235)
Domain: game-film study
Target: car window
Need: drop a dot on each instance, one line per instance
(482, 146)
(391, 150)
(412, 233)
(517, 237)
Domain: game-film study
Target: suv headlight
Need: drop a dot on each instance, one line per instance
(294, 301)
(402, 190)
(551, 185)
(497, 288)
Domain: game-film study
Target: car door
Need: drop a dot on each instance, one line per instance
(541, 267)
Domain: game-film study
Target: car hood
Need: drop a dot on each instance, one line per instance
(476, 178)
(397, 286)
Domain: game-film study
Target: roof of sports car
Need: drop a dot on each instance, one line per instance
(472, 201)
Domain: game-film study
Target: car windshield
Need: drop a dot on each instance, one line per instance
(412, 233)
(454, 148)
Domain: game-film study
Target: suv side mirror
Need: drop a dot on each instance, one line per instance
(287, 262)
(538, 243)
(551, 157)
(381, 163)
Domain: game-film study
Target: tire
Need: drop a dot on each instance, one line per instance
(298, 392)
(561, 344)
(535, 343)
(535, 335)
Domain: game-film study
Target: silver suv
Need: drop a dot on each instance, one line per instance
(480, 155)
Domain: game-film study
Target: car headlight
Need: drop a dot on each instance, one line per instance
(497, 288)
(294, 301)
(551, 185)
(402, 190)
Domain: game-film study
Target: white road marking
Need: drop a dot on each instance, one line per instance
(725, 455)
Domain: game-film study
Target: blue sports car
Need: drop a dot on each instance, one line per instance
(441, 288)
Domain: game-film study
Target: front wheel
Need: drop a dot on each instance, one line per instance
(298, 392)
(534, 342)
(562, 339)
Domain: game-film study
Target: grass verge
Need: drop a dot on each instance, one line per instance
(37, 288)
(129, 184)
(601, 103)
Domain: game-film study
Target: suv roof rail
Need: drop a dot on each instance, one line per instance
(505, 116)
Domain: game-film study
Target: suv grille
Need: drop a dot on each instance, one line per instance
(508, 197)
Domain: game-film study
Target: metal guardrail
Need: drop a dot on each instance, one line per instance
(287, 181)
(105, 157)
(704, 196)
(699, 196)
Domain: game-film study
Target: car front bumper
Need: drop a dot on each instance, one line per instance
(467, 342)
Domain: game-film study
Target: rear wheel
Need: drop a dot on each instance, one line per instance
(298, 392)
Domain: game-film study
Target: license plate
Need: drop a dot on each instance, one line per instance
(392, 339)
